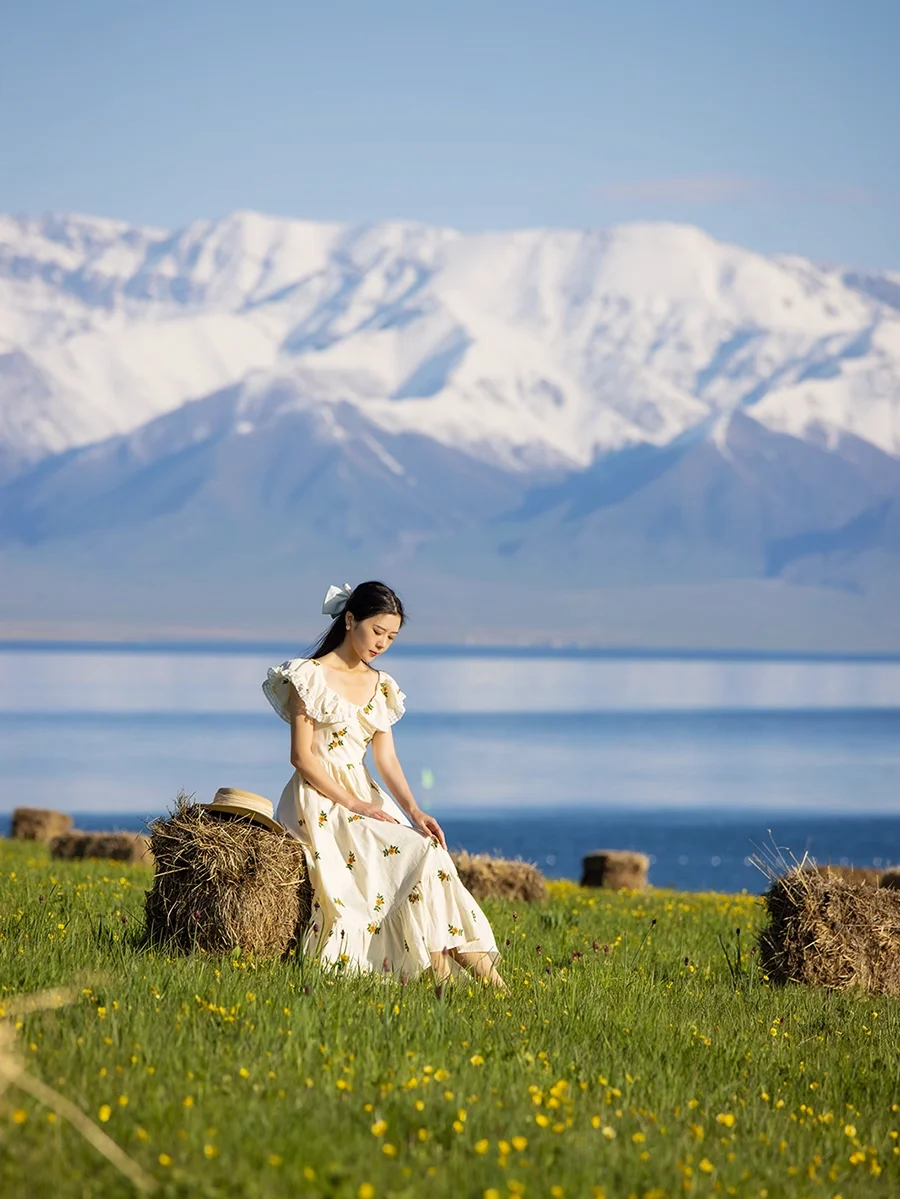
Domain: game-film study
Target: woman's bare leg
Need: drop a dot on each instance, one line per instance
(481, 966)
(440, 965)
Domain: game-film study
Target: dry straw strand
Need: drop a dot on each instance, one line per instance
(13, 1073)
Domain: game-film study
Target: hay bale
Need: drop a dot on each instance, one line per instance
(826, 931)
(614, 869)
(120, 847)
(866, 875)
(68, 845)
(39, 824)
(499, 878)
(890, 879)
(225, 882)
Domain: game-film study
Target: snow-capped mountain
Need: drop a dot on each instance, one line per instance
(523, 348)
(634, 405)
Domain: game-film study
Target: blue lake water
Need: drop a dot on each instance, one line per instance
(699, 762)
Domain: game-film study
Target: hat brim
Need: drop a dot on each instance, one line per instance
(258, 817)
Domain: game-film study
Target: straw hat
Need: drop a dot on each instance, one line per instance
(245, 803)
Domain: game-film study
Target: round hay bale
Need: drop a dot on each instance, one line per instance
(826, 931)
(223, 883)
(891, 879)
(499, 878)
(120, 847)
(866, 875)
(614, 869)
(39, 824)
(69, 846)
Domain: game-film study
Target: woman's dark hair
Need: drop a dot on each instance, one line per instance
(366, 599)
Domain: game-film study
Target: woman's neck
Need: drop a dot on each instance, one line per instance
(349, 658)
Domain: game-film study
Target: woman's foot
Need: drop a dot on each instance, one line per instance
(481, 966)
(440, 965)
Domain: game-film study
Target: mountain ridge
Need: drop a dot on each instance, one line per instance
(635, 407)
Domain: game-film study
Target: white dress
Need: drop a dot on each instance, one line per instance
(385, 896)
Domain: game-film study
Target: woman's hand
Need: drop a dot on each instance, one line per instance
(428, 824)
(369, 809)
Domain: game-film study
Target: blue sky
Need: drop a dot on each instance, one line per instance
(774, 125)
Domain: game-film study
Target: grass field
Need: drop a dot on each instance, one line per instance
(631, 1058)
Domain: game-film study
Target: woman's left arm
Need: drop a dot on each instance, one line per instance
(388, 766)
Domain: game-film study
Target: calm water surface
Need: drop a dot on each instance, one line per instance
(691, 760)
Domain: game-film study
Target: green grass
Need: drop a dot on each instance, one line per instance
(649, 1065)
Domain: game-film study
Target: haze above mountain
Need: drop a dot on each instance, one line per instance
(632, 407)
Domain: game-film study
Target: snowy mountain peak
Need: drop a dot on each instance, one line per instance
(525, 348)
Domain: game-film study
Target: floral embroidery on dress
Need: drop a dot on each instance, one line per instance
(373, 928)
(454, 931)
(414, 897)
(323, 817)
(379, 902)
(338, 738)
(355, 816)
(368, 708)
(443, 876)
(472, 910)
(351, 860)
(391, 851)
(338, 903)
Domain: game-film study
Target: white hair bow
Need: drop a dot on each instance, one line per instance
(336, 599)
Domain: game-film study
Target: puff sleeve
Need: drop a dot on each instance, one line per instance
(306, 677)
(394, 699)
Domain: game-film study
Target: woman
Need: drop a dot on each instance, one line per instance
(386, 894)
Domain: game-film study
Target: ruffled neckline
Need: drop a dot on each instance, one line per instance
(326, 705)
(343, 699)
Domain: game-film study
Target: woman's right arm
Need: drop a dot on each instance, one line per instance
(305, 759)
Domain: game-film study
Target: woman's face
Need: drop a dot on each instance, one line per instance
(372, 636)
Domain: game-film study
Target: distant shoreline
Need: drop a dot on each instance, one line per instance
(286, 648)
